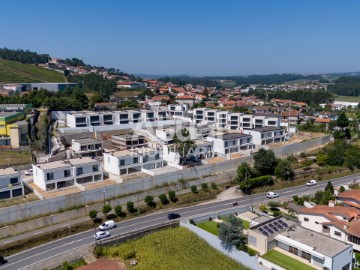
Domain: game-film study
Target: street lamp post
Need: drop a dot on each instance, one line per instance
(104, 196)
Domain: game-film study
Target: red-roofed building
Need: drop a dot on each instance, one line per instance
(161, 98)
(338, 222)
(349, 198)
(185, 99)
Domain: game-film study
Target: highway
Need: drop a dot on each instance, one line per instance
(52, 249)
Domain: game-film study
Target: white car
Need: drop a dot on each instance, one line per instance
(272, 195)
(101, 235)
(311, 183)
(107, 225)
(29, 172)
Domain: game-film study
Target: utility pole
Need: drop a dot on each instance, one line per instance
(138, 204)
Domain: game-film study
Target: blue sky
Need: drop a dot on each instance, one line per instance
(220, 37)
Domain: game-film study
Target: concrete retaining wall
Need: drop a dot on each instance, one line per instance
(178, 180)
(269, 265)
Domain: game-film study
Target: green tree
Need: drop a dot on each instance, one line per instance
(118, 210)
(184, 145)
(163, 199)
(172, 195)
(204, 187)
(352, 159)
(284, 170)
(106, 209)
(342, 121)
(194, 189)
(93, 214)
(231, 232)
(265, 161)
(95, 98)
(130, 207)
(149, 200)
(342, 189)
(329, 187)
(243, 172)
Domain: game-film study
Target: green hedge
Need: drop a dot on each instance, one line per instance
(248, 185)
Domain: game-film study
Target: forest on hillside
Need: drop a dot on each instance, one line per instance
(346, 86)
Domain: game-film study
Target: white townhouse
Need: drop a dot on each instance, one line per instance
(10, 183)
(231, 143)
(222, 119)
(66, 173)
(177, 110)
(86, 147)
(199, 115)
(266, 135)
(86, 119)
(133, 160)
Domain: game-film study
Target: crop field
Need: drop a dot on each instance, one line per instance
(172, 249)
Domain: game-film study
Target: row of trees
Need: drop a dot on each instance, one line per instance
(69, 99)
(346, 86)
(25, 57)
(311, 97)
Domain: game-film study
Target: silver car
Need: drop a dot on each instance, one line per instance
(101, 235)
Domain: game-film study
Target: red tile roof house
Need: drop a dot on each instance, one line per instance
(349, 198)
(160, 98)
(325, 121)
(338, 222)
(189, 100)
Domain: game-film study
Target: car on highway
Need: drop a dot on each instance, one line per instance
(173, 216)
(107, 225)
(2, 259)
(29, 172)
(272, 195)
(101, 235)
(311, 183)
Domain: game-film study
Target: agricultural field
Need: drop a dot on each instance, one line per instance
(11, 71)
(126, 94)
(347, 98)
(172, 249)
(8, 158)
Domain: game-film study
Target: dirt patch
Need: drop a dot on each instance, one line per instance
(102, 264)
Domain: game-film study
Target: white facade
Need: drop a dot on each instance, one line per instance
(177, 110)
(10, 183)
(86, 147)
(131, 161)
(60, 174)
(231, 143)
(267, 135)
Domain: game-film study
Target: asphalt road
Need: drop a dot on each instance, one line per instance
(49, 250)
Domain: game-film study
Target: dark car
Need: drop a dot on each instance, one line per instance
(2, 259)
(173, 216)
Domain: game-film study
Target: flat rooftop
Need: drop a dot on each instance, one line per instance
(7, 171)
(320, 243)
(127, 137)
(86, 141)
(64, 164)
(122, 153)
(229, 136)
(266, 129)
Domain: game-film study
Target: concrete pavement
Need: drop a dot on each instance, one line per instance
(73, 242)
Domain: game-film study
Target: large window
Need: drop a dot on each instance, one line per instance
(14, 180)
(337, 233)
(306, 256)
(354, 239)
(79, 171)
(67, 173)
(95, 168)
(293, 250)
(50, 176)
(122, 162)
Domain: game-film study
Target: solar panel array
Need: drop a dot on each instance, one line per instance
(273, 227)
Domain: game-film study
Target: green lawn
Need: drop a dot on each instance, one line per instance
(171, 249)
(209, 226)
(14, 157)
(347, 98)
(285, 261)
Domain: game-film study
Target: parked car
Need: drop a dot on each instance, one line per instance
(173, 216)
(101, 235)
(311, 182)
(29, 172)
(2, 259)
(272, 195)
(107, 225)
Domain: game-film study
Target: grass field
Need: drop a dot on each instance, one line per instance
(11, 71)
(211, 226)
(347, 98)
(172, 249)
(126, 94)
(14, 158)
(285, 261)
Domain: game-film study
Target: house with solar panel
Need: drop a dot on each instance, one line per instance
(309, 247)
